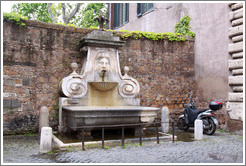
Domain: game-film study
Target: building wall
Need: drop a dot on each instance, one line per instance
(161, 19)
(235, 65)
(36, 57)
(210, 22)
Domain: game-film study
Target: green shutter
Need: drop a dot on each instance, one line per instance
(139, 9)
(127, 13)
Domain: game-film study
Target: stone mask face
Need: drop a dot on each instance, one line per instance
(103, 63)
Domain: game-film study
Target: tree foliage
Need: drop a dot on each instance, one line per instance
(85, 18)
(71, 12)
(33, 11)
(17, 18)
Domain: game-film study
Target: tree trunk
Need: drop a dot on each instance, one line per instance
(67, 18)
(53, 19)
(64, 13)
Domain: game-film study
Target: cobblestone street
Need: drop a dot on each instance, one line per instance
(219, 148)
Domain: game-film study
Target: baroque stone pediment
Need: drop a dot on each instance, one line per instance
(102, 65)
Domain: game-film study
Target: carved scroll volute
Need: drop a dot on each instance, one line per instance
(74, 85)
(130, 86)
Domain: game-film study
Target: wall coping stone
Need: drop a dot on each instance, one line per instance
(40, 24)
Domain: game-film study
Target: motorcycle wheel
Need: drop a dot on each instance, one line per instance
(210, 127)
(182, 125)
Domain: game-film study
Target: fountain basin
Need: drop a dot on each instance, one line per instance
(104, 86)
(81, 116)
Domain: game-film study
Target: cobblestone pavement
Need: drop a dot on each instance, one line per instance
(219, 148)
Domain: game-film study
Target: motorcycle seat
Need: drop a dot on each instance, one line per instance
(200, 111)
(191, 114)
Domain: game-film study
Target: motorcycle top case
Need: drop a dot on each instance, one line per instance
(215, 105)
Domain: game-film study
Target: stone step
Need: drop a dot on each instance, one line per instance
(235, 31)
(237, 72)
(235, 80)
(235, 97)
(235, 64)
(235, 47)
(236, 6)
(237, 22)
(233, 15)
(237, 55)
(237, 88)
(237, 38)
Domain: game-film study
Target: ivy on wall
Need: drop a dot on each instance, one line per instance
(17, 18)
(124, 34)
(183, 27)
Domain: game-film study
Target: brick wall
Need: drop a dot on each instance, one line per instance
(38, 56)
(165, 71)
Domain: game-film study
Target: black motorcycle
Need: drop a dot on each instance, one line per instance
(210, 123)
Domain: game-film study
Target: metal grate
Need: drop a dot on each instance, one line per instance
(122, 126)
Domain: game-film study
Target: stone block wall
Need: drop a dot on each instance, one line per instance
(35, 58)
(38, 56)
(235, 65)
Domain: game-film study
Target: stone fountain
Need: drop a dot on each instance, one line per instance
(99, 94)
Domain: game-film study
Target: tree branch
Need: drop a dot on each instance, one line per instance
(64, 13)
(75, 10)
(53, 20)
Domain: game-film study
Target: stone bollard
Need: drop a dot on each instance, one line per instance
(165, 118)
(45, 139)
(198, 129)
(43, 117)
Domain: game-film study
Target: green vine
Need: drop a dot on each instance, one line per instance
(124, 34)
(17, 18)
(92, 27)
(70, 25)
(183, 27)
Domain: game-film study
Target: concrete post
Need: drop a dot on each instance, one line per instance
(198, 129)
(45, 139)
(43, 117)
(165, 119)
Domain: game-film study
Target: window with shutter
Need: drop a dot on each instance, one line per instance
(139, 11)
(120, 14)
(143, 8)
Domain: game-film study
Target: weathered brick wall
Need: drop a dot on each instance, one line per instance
(164, 69)
(38, 56)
